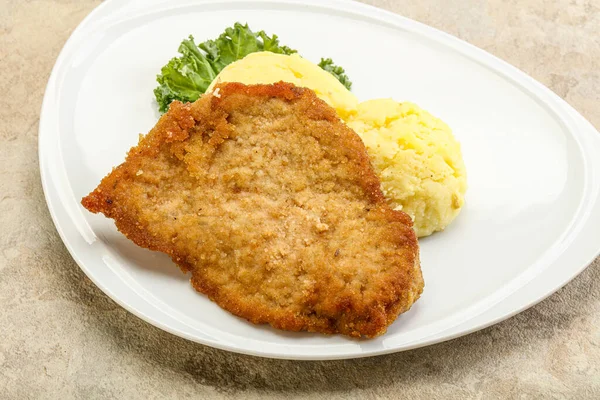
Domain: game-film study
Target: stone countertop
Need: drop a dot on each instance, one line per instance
(61, 337)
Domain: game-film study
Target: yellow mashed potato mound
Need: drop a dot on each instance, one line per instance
(414, 153)
(266, 67)
(417, 159)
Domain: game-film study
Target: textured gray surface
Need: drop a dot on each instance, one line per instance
(61, 337)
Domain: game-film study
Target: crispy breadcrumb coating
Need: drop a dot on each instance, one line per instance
(270, 201)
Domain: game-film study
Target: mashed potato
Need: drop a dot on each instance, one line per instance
(415, 155)
(417, 159)
(266, 67)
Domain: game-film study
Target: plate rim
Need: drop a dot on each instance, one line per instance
(564, 112)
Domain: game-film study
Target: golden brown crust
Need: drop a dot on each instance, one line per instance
(270, 201)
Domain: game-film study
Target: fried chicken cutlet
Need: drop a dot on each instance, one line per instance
(270, 201)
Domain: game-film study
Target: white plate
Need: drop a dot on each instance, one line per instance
(532, 217)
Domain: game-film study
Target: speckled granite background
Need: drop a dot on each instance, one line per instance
(61, 337)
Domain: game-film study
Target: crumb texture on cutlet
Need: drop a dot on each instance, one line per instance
(270, 201)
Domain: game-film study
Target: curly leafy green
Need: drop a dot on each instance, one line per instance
(187, 77)
(328, 65)
(184, 78)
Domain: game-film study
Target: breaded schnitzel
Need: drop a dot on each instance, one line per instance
(270, 201)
